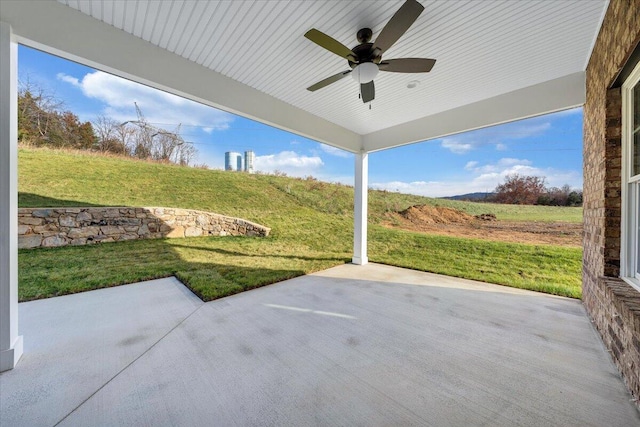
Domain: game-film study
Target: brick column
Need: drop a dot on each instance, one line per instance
(613, 182)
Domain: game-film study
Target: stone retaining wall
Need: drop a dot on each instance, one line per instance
(50, 227)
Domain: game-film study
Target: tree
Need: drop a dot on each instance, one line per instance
(520, 190)
(37, 111)
(186, 154)
(107, 135)
(74, 133)
(555, 196)
(42, 121)
(574, 198)
(563, 196)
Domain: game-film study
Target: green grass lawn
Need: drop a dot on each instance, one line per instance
(311, 225)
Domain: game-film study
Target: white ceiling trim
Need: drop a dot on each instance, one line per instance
(57, 29)
(543, 98)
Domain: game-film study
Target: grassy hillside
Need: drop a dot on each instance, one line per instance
(311, 225)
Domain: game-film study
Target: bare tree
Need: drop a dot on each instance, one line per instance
(126, 135)
(106, 130)
(186, 154)
(151, 142)
(41, 121)
(37, 110)
(166, 145)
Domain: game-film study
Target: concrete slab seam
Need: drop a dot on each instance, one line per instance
(128, 365)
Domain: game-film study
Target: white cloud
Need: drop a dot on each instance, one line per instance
(495, 135)
(335, 151)
(470, 165)
(457, 145)
(160, 108)
(68, 79)
(509, 161)
(484, 179)
(289, 162)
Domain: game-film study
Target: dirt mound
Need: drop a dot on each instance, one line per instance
(425, 214)
(486, 217)
(451, 222)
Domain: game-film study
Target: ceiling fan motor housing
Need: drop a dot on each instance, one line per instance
(364, 53)
(364, 35)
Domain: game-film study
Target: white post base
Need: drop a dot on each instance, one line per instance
(360, 260)
(9, 358)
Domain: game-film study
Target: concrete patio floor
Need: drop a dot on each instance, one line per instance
(353, 345)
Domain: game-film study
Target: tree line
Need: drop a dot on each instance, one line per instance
(43, 121)
(532, 190)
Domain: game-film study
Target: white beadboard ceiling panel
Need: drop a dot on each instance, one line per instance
(484, 49)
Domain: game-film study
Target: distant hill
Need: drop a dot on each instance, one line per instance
(474, 197)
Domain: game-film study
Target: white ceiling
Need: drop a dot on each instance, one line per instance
(484, 49)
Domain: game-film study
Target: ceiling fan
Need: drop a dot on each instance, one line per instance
(366, 60)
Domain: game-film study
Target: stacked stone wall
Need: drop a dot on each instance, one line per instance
(610, 302)
(51, 227)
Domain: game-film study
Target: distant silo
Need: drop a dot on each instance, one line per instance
(232, 161)
(240, 163)
(249, 158)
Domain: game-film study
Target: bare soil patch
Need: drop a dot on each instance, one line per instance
(452, 222)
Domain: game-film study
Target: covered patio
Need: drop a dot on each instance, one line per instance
(353, 345)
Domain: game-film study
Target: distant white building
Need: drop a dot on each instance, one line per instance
(233, 161)
(249, 159)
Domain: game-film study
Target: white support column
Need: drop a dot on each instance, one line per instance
(10, 342)
(360, 209)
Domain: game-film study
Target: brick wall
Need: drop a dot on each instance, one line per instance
(612, 304)
(618, 315)
(612, 182)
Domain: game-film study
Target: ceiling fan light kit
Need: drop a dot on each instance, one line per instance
(365, 72)
(365, 59)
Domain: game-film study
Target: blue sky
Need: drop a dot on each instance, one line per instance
(549, 146)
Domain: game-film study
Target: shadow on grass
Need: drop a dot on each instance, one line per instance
(210, 272)
(30, 200)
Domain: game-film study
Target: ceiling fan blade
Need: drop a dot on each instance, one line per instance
(407, 65)
(328, 81)
(398, 25)
(368, 91)
(331, 44)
